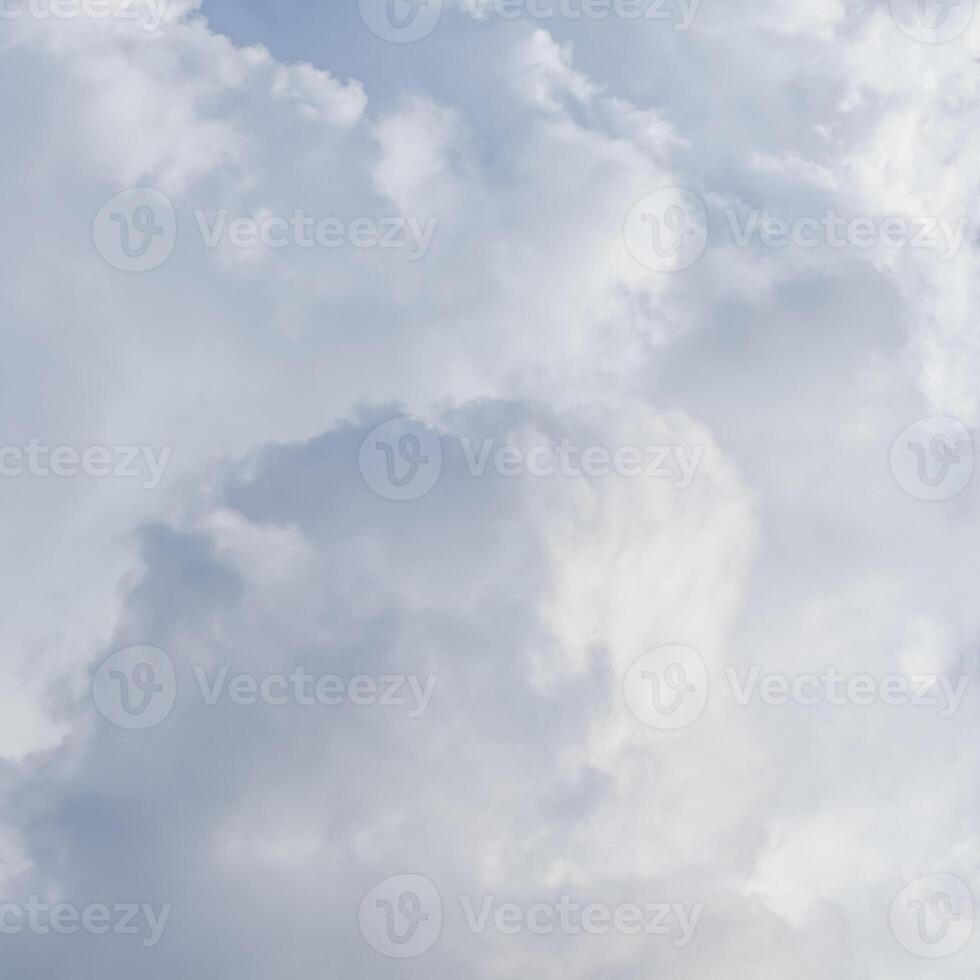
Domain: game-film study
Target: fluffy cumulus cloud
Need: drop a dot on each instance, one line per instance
(469, 508)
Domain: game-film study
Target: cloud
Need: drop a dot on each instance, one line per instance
(771, 382)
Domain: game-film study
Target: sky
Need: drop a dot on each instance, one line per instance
(488, 489)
